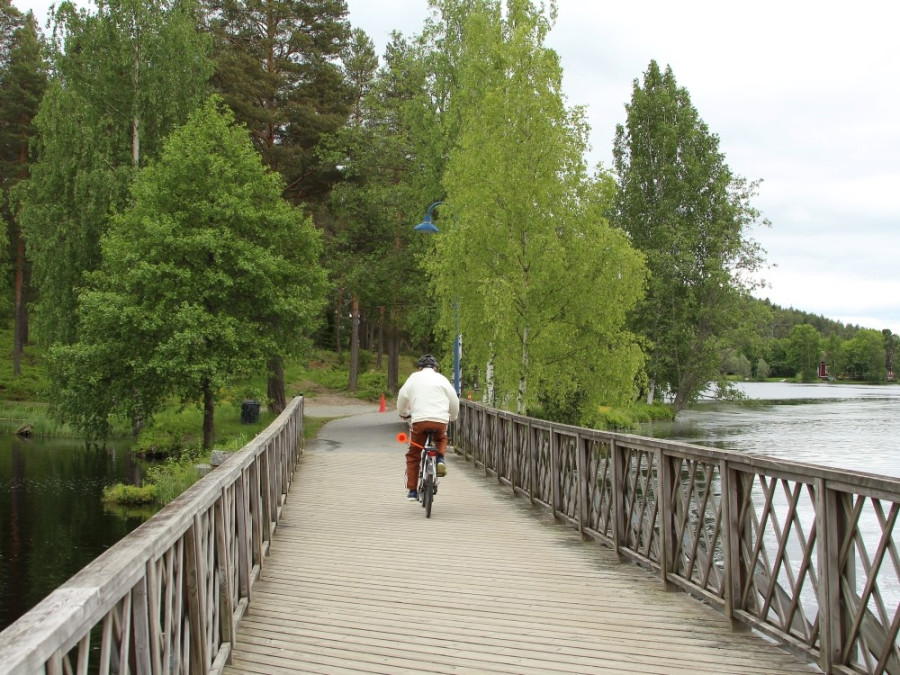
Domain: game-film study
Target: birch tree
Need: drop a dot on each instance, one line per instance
(124, 76)
(541, 281)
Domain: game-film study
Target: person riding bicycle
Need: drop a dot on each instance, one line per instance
(428, 401)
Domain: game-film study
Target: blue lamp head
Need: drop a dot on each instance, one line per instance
(427, 225)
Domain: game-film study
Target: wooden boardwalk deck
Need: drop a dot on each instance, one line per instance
(358, 581)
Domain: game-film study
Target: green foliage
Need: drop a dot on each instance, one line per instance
(173, 477)
(525, 251)
(866, 356)
(627, 418)
(131, 495)
(805, 351)
(276, 67)
(684, 209)
(32, 383)
(204, 277)
(124, 77)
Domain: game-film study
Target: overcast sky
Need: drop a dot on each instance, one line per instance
(803, 95)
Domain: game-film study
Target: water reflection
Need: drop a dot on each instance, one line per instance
(847, 426)
(52, 520)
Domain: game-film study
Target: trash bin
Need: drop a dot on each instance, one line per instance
(249, 412)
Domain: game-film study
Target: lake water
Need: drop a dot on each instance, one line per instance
(840, 425)
(52, 520)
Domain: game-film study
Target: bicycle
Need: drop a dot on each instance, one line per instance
(428, 475)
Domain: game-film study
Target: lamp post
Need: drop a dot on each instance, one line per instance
(427, 225)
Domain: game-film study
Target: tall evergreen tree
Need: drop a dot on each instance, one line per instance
(277, 67)
(124, 77)
(372, 246)
(23, 79)
(688, 213)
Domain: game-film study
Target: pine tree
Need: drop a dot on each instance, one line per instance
(23, 79)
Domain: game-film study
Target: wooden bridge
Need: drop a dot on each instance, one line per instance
(284, 563)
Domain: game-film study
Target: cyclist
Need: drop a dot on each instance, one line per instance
(428, 401)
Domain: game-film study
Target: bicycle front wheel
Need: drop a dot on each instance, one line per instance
(428, 495)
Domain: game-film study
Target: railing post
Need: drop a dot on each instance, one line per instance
(554, 472)
(532, 462)
(735, 493)
(582, 462)
(618, 495)
(830, 514)
(665, 490)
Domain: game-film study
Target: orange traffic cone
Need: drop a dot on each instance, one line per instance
(381, 407)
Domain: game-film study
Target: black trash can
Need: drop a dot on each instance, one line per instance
(249, 412)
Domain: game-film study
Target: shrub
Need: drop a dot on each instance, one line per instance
(131, 495)
(173, 477)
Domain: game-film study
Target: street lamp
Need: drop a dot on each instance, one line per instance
(427, 225)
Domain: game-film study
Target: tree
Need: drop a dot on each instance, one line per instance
(277, 68)
(835, 356)
(123, 79)
(866, 355)
(526, 252)
(206, 275)
(23, 78)
(684, 209)
(371, 245)
(805, 351)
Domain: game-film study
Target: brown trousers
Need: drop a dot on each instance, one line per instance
(417, 440)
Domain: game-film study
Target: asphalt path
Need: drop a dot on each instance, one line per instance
(357, 428)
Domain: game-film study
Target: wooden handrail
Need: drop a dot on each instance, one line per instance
(169, 595)
(803, 553)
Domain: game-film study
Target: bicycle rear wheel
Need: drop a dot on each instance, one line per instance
(428, 496)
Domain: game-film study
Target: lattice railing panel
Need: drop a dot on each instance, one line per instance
(641, 504)
(568, 479)
(870, 585)
(698, 549)
(778, 543)
(155, 601)
(805, 554)
(600, 488)
(541, 458)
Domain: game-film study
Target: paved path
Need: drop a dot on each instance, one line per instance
(359, 581)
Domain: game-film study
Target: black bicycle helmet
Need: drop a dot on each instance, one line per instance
(427, 361)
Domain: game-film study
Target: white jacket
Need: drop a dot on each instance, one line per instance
(428, 396)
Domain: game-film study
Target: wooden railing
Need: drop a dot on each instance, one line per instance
(803, 553)
(168, 597)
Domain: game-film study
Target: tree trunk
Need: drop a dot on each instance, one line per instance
(338, 320)
(393, 359)
(353, 381)
(275, 386)
(209, 410)
(20, 330)
(380, 337)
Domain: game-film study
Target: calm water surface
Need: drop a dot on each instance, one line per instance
(840, 425)
(52, 520)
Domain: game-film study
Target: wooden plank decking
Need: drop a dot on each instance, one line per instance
(358, 581)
